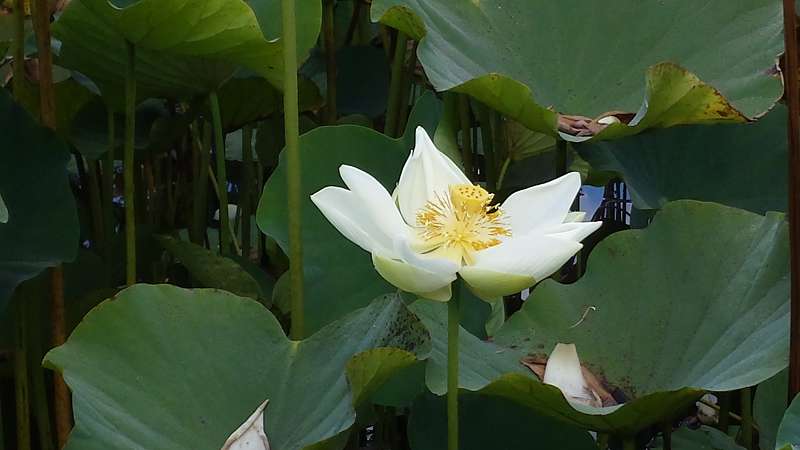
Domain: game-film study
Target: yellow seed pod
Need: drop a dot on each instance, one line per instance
(469, 198)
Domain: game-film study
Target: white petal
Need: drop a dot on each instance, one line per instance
(344, 211)
(534, 255)
(427, 172)
(250, 435)
(429, 263)
(573, 231)
(375, 200)
(563, 371)
(542, 205)
(414, 279)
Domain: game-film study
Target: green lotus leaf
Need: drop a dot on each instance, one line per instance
(96, 49)
(163, 367)
(481, 362)
(789, 431)
(696, 301)
(308, 16)
(533, 59)
(703, 438)
(215, 30)
(42, 223)
(490, 423)
(769, 404)
(737, 165)
(339, 276)
(212, 270)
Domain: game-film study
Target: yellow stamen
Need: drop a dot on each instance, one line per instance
(459, 224)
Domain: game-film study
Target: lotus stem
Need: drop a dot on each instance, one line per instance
(561, 157)
(293, 178)
(96, 209)
(128, 165)
(793, 130)
(38, 389)
(47, 108)
(247, 187)
(488, 148)
(453, 323)
(396, 84)
(724, 411)
(666, 433)
(21, 386)
(108, 187)
(19, 48)
(222, 178)
(408, 81)
(629, 443)
(231, 230)
(329, 36)
(466, 135)
(747, 418)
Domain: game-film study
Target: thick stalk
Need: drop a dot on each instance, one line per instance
(21, 386)
(666, 434)
(96, 208)
(222, 178)
(329, 35)
(453, 321)
(19, 47)
(629, 443)
(128, 165)
(725, 401)
(294, 196)
(408, 81)
(488, 148)
(793, 128)
(38, 388)
(108, 188)
(747, 417)
(466, 135)
(247, 188)
(396, 84)
(47, 107)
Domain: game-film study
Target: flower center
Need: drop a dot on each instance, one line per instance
(457, 225)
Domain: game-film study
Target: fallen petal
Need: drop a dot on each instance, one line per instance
(250, 435)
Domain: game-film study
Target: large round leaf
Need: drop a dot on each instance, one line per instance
(789, 431)
(164, 367)
(769, 404)
(532, 58)
(339, 276)
(490, 423)
(698, 300)
(737, 165)
(41, 226)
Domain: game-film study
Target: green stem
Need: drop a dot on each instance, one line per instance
(466, 135)
(39, 397)
(724, 411)
(747, 417)
(561, 157)
(96, 209)
(666, 433)
(629, 443)
(108, 188)
(453, 320)
(128, 165)
(201, 145)
(602, 441)
(247, 188)
(294, 196)
(21, 386)
(488, 148)
(222, 178)
(19, 48)
(408, 81)
(329, 35)
(396, 84)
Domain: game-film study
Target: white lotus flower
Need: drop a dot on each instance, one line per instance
(438, 224)
(563, 370)
(250, 434)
